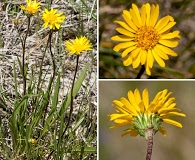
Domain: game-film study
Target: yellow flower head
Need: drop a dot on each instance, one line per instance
(78, 45)
(143, 39)
(32, 140)
(140, 115)
(31, 8)
(52, 19)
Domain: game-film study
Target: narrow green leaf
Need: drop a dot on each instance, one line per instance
(66, 101)
(76, 88)
(86, 149)
(56, 93)
(15, 81)
(53, 107)
(172, 71)
(82, 117)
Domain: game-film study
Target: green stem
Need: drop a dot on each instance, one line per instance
(53, 64)
(150, 135)
(41, 65)
(23, 57)
(53, 76)
(140, 72)
(71, 101)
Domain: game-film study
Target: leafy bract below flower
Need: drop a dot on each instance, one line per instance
(52, 19)
(144, 39)
(140, 115)
(78, 45)
(32, 7)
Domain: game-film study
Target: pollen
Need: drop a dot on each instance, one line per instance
(146, 37)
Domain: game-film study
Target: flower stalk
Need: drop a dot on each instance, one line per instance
(54, 71)
(53, 61)
(42, 59)
(150, 135)
(76, 46)
(142, 70)
(23, 57)
(72, 98)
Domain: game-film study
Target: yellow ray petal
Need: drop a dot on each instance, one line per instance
(122, 121)
(135, 52)
(154, 15)
(172, 122)
(158, 59)
(159, 95)
(136, 62)
(147, 14)
(143, 56)
(170, 35)
(127, 61)
(163, 131)
(165, 95)
(136, 11)
(123, 46)
(162, 23)
(145, 98)
(121, 117)
(143, 15)
(127, 51)
(167, 27)
(166, 110)
(125, 32)
(134, 18)
(137, 96)
(131, 132)
(172, 105)
(126, 16)
(121, 38)
(172, 114)
(160, 53)
(156, 107)
(169, 102)
(124, 25)
(117, 104)
(166, 50)
(133, 101)
(148, 71)
(169, 43)
(150, 59)
(129, 107)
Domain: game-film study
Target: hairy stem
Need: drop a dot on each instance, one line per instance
(150, 135)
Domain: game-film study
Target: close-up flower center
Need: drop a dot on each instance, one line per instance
(146, 37)
(51, 18)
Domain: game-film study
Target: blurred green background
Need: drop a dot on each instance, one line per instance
(111, 63)
(179, 144)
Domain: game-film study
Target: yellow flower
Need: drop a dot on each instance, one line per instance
(78, 45)
(32, 7)
(32, 140)
(52, 18)
(140, 115)
(143, 39)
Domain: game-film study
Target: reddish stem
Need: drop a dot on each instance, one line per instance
(150, 135)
